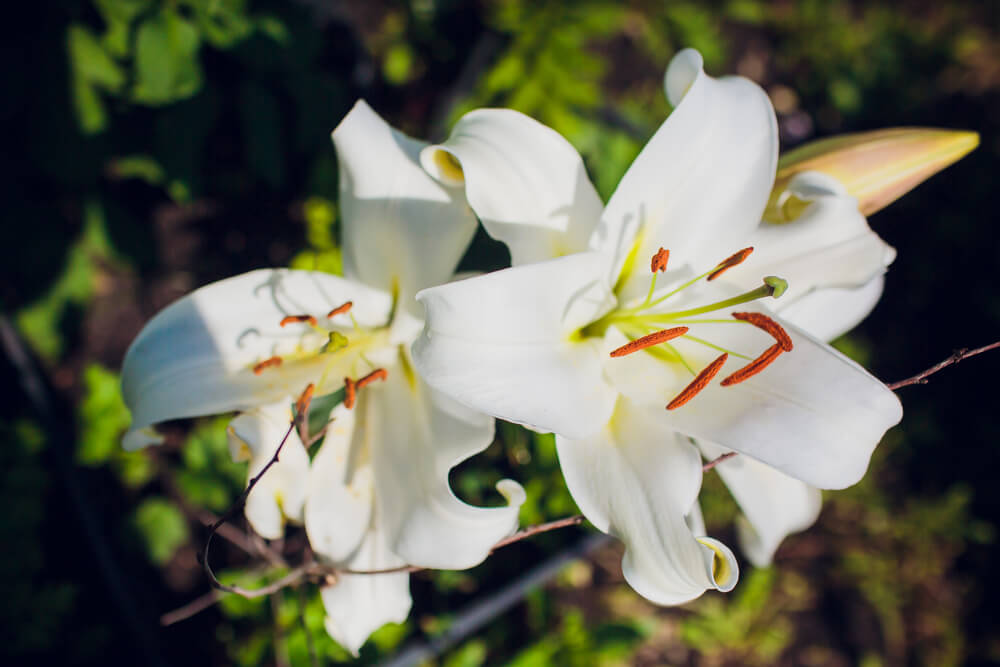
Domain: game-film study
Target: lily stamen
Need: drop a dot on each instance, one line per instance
(350, 393)
(302, 405)
(729, 262)
(342, 308)
(351, 387)
(649, 340)
(659, 261)
(755, 366)
(765, 323)
(698, 383)
(773, 287)
(377, 374)
(267, 363)
(291, 319)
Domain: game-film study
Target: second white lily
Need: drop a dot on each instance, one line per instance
(376, 496)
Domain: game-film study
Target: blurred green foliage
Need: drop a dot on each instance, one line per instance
(161, 144)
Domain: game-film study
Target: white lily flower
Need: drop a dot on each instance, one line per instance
(377, 494)
(829, 253)
(591, 346)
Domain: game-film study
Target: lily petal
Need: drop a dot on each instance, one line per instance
(340, 495)
(637, 480)
(829, 313)
(502, 344)
(774, 505)
(359, 604)
(412, 453)
(829, 244)
(526, 183)
(402, 230)
(280, 493)
(813, 413)
(195, 357)
(701, 183)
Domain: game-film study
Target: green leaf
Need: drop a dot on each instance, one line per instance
(92, 70)
(321, 407)
(166, 59)
(91, 61)
(222, 22)
(102, 416)
(162, 528)
(121, 10)
(40, 322)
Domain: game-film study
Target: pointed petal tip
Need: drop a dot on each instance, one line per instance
(360, 108)
(876, 167)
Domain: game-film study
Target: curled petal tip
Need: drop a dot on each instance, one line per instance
(442, 165)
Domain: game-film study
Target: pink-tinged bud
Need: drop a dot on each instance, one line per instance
(875, 167)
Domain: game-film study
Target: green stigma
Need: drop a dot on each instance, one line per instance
(777, 285)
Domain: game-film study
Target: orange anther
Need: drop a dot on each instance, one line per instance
(730, 262)
(267, 363)
(342, 308)
(649, 340)
(765, 323)
(699, 382)
(659, 261)
(290, 319)
(377, 374)
(755, 366)
(350, 393)
(351, 386)
(302, 405)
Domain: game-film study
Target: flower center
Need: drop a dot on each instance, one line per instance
(338, 352)
(646, 326)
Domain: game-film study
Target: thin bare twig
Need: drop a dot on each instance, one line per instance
(531, 531)
(199, 604)
(716, 461)
(229, 514)
(957, 356)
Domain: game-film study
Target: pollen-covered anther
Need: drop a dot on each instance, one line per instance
(351, 387)
(377, 374)
(765, 323)
(755, 366)
(730, 262)
(649, 340)
(302, 404)
(267, 363)
(350, 393)
(339, 310)
(292, 319)
(659, 261)
(699, 382)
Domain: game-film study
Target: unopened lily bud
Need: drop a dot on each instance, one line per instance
(876, 168)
